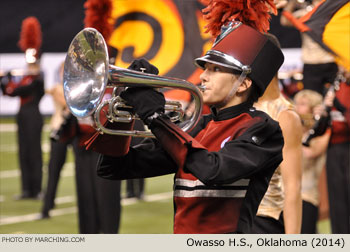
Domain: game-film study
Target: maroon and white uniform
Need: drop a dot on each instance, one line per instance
(223, 168)
(221, 174)
(30, 90)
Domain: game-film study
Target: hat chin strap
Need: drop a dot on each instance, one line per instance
(233, 91)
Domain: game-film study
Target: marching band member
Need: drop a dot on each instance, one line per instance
(99, 206)
(307, 103)
(319, 67)
(224, 165)
(58, 145)
(338, 156)
(30, 90)
(280, 210)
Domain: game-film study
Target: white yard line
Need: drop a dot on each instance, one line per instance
(45, 147)
(9, 174)
(35, 216)
(11, 127)
(8, 127)
(68, 171)
(72, 210)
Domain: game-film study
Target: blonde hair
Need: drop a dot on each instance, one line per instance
(313, 97)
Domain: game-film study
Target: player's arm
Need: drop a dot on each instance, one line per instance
(291, 168)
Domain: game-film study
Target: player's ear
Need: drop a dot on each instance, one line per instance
(245, 85)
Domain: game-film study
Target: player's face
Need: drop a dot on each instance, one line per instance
(302, 106)
(218, 82)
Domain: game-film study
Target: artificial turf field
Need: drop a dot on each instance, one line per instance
(153, 215)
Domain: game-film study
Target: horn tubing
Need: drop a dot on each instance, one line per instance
(129, 78)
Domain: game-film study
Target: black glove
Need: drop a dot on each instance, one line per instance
(9, 76)
(146, 102)
(143, 65)
(4, 80)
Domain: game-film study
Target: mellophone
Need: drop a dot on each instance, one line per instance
(87, 75)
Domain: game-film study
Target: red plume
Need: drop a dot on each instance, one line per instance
(30, 36)
(254, 13)
(97, 15)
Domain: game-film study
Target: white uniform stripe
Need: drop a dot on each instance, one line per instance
(211, 193)
(194, 183)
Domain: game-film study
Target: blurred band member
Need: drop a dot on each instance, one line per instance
(98, 199)
(280, 209)
(30, 90)
(338, 162)
(319, 65)
(59, 145)
(314, 158)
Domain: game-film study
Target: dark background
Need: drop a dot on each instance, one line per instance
(61, 20)
(289, 37)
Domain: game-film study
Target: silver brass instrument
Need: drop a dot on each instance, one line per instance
(87, 74)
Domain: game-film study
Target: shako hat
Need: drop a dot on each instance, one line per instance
(240, 44)
(244, 49)
(30, 39)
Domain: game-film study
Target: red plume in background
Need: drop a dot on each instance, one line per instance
(255, 13)
(97, 15)
(30, 36)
